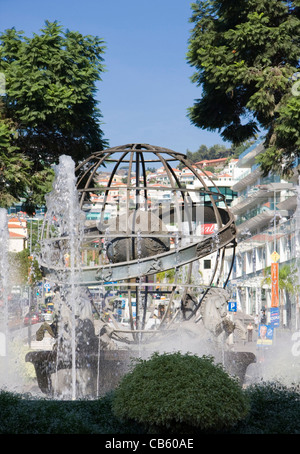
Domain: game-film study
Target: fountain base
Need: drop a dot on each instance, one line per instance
(102, 372)
(112, 365)
(236, 363)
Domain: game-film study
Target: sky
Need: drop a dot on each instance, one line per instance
(146, 89)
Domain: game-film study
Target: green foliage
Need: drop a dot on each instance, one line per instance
(14, 166)
(216, 152)
(48, 108)
(180, 393)
(288, 279)
(245, 54)
(168, 275)
(274, 409)
(25, 270)
(22, 414)
(284, 145)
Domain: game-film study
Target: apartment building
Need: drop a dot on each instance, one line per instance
(265, 211)
(219, 183)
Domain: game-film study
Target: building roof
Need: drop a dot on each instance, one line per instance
(13, 235)
(18, 220)
(211, 161)
(16, 226)
(225, 175)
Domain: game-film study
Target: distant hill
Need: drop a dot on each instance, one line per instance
(216, 152)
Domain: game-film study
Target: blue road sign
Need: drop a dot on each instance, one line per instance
(274, 316)
(47, 287)
(232, 306)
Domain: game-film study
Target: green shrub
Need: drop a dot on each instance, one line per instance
(22, 414)
(274, 409)
(180, 393)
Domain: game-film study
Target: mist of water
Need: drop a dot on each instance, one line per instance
(65, 227)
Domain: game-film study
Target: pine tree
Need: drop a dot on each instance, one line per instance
(246, 55)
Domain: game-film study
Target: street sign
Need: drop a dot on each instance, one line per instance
(47, 287)
(274, 316)
(275, 256)
(232, 306)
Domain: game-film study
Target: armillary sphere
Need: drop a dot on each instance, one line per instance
(151, 215)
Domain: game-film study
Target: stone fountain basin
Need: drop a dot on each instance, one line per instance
(112, 365)
(236, 363)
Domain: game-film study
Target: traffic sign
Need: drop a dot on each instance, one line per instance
(275, 256)
(232, 306)
(47, 287)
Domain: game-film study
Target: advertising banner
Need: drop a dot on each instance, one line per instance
(274, 316)
(274, 285)
(265, 334)
(207, 229)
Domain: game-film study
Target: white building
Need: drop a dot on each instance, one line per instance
(266, 222)
(17, 228)
(215, 183)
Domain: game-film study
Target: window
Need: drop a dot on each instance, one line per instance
(207, 264)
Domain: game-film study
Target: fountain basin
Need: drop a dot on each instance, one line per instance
(107, 369)
(236, 363)
(104, 370)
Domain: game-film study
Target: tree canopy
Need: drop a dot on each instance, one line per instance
(48, 107)
(217, 151)
(246, 55)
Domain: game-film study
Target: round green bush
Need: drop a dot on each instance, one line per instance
(180, 393)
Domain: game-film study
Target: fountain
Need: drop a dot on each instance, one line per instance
(69, 370)
(123, 239)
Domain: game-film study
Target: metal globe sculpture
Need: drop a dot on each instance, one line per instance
(142, 236)
(142, 228)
